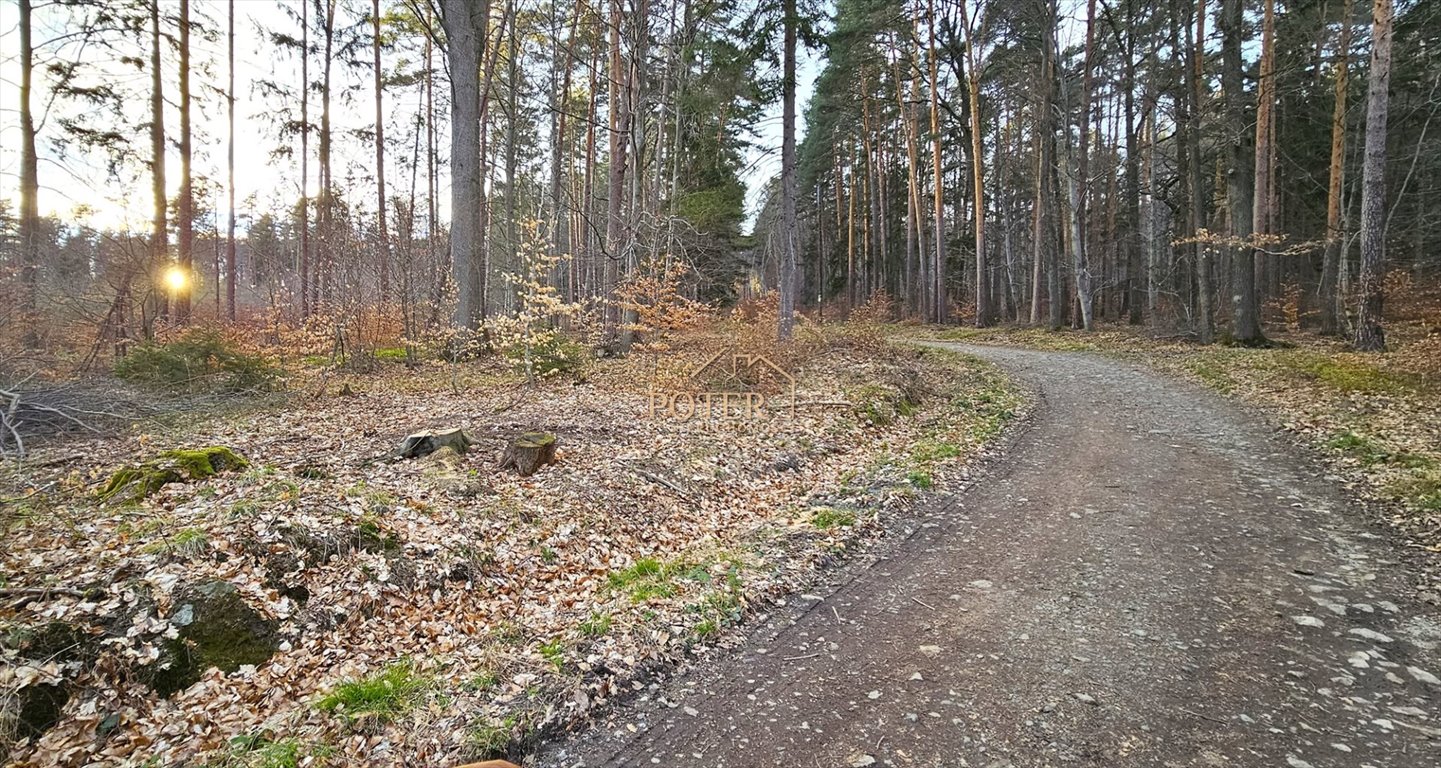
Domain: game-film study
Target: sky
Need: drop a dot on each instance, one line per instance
(125, 203)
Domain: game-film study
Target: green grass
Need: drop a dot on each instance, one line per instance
(380, 697)
(881, 406)
(490, 739)
(1348, 375)
(1421, 488)
(258, 751)
(931, 450)
(919, 479)
(596, 625)
(554, 652)
(188, 542)
(1212, 373)
(480, 682)
(828, 518)
(1370, 453)
(649, 578)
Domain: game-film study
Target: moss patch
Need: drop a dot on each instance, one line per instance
(827, 518)
(135, 483)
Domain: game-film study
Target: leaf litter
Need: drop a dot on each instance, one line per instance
(513, 604)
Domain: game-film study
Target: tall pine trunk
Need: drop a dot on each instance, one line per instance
(381, 228)
(29, 187)
(939, 311)
(307, 305)
(186, 223)
(230, 272)
(1370, 337)
(1245, 310)
(159, 233)
(1262, 200)
(788, 175)
(1328, 298)
(985, 312)
(463, 22)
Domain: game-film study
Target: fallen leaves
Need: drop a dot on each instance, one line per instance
(472, 574)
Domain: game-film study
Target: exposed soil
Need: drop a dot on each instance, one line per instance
(1152, 577)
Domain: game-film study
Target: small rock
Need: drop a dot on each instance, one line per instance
(1339, 747)
(1296, 762)
(786, 462)
(1086, 699)
(1371, 634)
(930, 651)
(692, 711)
(981, 583)
(1308, 621)
(860, 760)
(425, 443)
(1423, 676)
(873, 695)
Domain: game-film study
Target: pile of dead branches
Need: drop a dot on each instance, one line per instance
(29, 412)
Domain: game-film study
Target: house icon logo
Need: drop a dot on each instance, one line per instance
(730, 386)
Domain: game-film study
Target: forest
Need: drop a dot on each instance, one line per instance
(1202, 169)
(402, 382)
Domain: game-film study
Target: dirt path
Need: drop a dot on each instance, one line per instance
(1150, 578)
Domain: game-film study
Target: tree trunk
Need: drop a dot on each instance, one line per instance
(29, 188)
(1080, 180)
(1245, 312)
(788, 175)
(382, 230)
(940, 309)
(306, 305)
(325, 225)
(615, 226)
(1328, 298)
(1262, 211)
(463, 22)
(1205, 280)
(159, 234)
(1040, 146)
(985, 313)
(1370, 337)
(1135, 295)
(186, 223)
(230, 273)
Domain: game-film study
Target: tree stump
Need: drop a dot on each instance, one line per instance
(529, 452)
(426, 443)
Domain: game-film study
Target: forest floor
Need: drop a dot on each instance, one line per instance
(1151, 576)
(432, 610)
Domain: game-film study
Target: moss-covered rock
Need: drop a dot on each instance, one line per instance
(137, 482)
(32, 710)
(216, 629)
(52, 641)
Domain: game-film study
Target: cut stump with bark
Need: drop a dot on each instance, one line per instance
(529, 452)
(425, 443)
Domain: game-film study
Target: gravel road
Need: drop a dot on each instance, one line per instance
(1150, 577)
